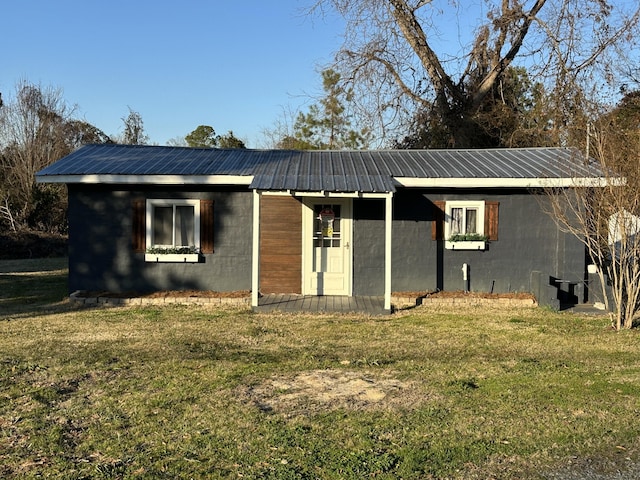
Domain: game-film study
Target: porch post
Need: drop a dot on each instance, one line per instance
(255, 257)
(388, 217)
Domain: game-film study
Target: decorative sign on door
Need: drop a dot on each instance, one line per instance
(327, 216)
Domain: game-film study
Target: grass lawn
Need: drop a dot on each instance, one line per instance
(199, 392)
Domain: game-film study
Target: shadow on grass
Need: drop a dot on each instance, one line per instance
(33, 287)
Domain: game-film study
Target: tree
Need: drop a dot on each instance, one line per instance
(289, 142)
(327, 124)
(79, 132)
(391, 64)
(36, 129)
(177, 142)
(203, 136)
(33, 132)
(607, 218)
(516, 113)
(134, 133)
(229, 140)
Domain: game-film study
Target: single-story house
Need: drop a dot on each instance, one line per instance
(148, 218)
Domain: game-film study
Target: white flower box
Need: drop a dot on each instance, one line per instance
(172, 257)
(465, 245)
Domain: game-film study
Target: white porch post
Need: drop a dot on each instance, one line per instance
(255, 257)
(388, 218)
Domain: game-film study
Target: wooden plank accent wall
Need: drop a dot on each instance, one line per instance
(280, 244)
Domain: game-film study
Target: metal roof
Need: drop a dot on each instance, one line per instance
(312, 171)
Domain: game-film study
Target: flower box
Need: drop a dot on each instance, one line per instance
(465, 245)
(172, 257)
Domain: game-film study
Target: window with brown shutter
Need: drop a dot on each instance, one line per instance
(174, 224)
(491, 209)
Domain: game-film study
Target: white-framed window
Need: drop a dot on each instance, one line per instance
(173, 223)
(464, 217)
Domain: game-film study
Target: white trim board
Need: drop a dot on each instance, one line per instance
(149, 179)
(410, 182)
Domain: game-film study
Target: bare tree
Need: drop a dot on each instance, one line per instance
(393, 61)
(134, 133)
(33, 135)
(178, 141)
(605, 216)
(275, 137)
(5, 213)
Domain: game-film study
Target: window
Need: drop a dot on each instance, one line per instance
(173, 223)
(464, 218)
(169, 224)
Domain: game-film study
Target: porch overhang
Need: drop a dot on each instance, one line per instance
(324, 194)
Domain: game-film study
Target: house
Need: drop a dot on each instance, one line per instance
(146, 218)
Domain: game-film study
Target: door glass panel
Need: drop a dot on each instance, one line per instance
(327, 237)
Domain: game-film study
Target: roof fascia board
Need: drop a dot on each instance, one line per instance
(274, 193)
(410, 182)
(344, 194)
(148, 179)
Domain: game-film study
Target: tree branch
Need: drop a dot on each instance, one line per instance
(503, 63)
(417, 39)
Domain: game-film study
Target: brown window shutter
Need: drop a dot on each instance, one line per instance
(139, 237)
(491, 220)
(206, 226)
(437, 225)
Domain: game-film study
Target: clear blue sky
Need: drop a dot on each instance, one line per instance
(233, 65)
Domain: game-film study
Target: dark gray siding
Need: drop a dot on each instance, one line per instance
(100, 243)
(528, 241)
(529, 245)
(368, 247)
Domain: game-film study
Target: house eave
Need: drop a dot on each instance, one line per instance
(412, 182)
(94, 179)
(406, 182)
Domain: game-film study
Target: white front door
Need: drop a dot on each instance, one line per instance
(327, 246)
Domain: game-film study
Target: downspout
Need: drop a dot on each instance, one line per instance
(465, 277)
(388, 222)
(255, 257)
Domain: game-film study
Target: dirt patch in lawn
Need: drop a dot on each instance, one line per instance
(318, 390)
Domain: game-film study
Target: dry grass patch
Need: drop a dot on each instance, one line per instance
(308, 393)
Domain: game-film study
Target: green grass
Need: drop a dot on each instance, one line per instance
(34, 286)
(195, 392)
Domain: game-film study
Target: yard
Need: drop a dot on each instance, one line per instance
(203, 392)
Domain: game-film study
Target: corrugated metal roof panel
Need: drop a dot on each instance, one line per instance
(340, 171)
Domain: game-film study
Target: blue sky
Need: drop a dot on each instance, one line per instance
(232, 65)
